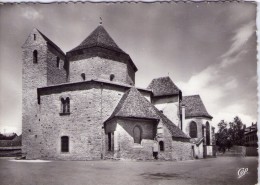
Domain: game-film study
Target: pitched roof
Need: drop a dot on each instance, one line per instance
(134, 105)
(197, 141)
(99, 37)
(163, 86)
(194, 107)
(174, 130)
(50, 42)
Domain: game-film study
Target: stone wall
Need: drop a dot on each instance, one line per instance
(181, 151)
(89, 108)
(124, 146)
(165, 136)
(33, 75)
(100, 68)
(55, 74)
(36, 75)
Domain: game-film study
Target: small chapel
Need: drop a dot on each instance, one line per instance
(84, 105)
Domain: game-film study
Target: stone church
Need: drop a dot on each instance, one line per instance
(83, 105)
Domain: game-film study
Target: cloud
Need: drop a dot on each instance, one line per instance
(7, 129)
(228, 113)
(215, 83)
(31, 14)
(239, 40)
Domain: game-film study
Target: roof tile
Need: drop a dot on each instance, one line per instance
(134, 105)
(99, 37)
(163, 86)
(194, 107)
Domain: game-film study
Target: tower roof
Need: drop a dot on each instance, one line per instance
(50, 42)
(99, 37)
(194, 107)
(163, 86)
(134, 105)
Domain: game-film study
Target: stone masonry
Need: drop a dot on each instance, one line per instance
(83, 105)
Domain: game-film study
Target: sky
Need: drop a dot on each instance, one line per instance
(206, 48)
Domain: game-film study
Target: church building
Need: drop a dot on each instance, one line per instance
(84, 105)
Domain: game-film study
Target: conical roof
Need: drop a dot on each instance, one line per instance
(163, 86)
(99, 37)
(134, 105)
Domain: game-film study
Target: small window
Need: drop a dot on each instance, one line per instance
(58, 62)
(112, 76)
(83, 76)
(34, 36)
(64, 144)
(161, 144)
(65, 105)
(109, 141)
(35, 56)
(137, 135)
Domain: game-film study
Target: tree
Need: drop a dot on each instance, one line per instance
(7, 137)
(236, 131)
(222, 136)
(233, 135)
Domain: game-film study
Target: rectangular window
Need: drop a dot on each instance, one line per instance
(109, 141)
(64, 144)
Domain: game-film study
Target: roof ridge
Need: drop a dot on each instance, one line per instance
(50, 41)
(134, 104)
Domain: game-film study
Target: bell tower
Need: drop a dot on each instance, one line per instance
(43, 64)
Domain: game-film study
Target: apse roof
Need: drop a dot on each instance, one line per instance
(194, 107)
(134, 105)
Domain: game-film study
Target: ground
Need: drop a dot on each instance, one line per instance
(221, 170)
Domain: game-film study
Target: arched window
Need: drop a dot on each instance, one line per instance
(137, 135)
(65, 105)
(58, 62)
(193, 129)
(207, 134)
(64, 144)
(35, 56)
(161, 144)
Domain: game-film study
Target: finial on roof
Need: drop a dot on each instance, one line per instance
(100, 22)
